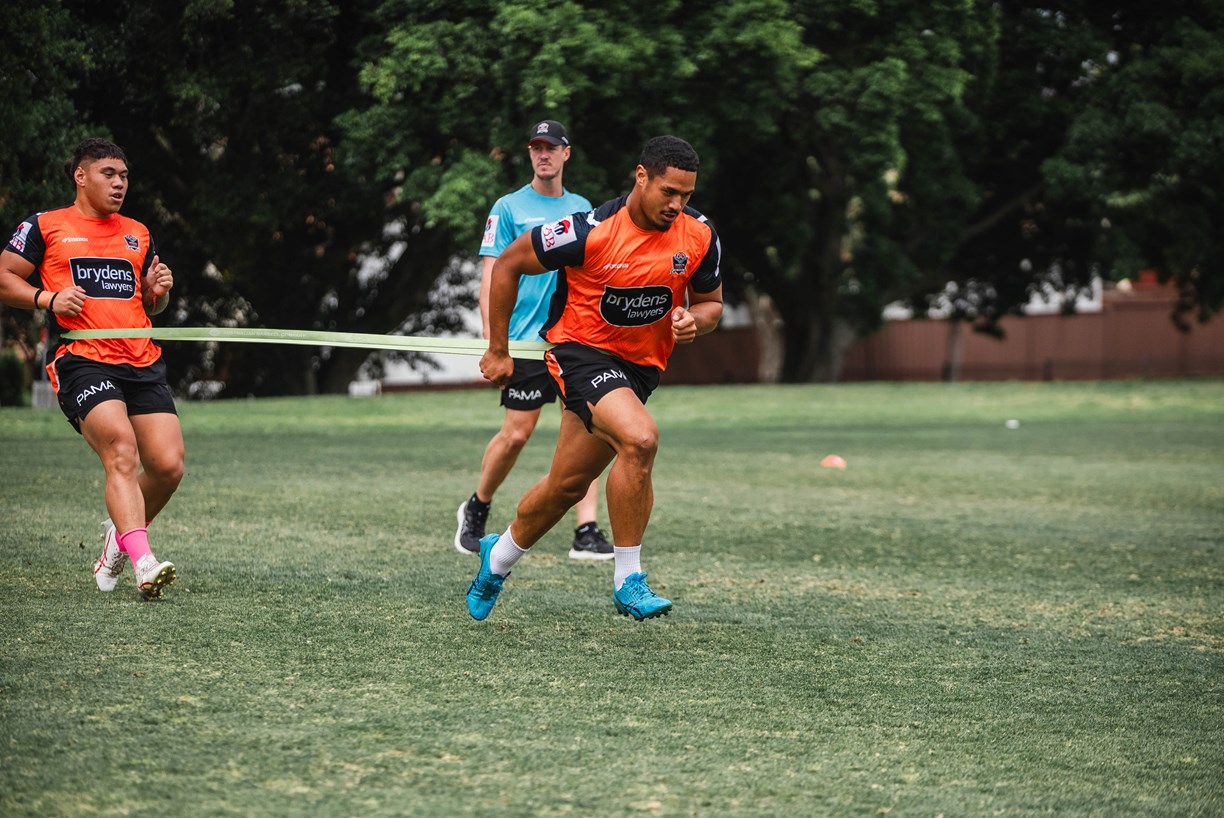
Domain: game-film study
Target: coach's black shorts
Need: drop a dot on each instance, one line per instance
(585, 375)
(530, 386)
(84, 383)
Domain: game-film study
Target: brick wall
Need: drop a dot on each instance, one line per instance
(1131, 337)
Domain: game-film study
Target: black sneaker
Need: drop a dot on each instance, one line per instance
(472, 516)
(590, 544)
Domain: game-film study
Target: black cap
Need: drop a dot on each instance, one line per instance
(550, 131)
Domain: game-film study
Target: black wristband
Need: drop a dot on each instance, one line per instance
(36, 295)
(51, 306)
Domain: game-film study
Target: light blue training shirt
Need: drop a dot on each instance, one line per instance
(511, 215)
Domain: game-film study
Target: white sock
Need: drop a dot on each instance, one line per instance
(504, 553)
(628, 561)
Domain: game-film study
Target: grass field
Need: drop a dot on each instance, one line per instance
(967, 621)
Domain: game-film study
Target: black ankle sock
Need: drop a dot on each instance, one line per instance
(475, 501)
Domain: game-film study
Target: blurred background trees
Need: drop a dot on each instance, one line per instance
(323, 165)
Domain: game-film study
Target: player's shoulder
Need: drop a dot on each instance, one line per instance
(696, 221)
(131, 225)
(44, 226)
(507, 201)
(608, 209)
(501, 205)
(526, 193)
(56, 215)
(576, 202)
(697, 216)
(27, 237)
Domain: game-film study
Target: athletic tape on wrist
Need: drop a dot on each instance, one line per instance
(361, 340)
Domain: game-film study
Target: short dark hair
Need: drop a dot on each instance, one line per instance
(663, 152)
(91, 149)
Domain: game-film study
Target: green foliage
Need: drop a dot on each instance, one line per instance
(1145, 158)
(1093, 110)
(231, 127)
(40, 66)
(873, 189)
(13, 382)
(451, 100)
(321, 164)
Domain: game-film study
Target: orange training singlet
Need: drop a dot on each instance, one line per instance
(617, 283)
(108, 258)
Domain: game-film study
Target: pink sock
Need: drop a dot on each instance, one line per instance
(135, 543)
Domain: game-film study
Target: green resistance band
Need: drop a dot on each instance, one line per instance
(255, 335)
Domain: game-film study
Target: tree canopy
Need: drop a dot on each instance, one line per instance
(321, 165)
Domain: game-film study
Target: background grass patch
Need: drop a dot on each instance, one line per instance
(969, 620)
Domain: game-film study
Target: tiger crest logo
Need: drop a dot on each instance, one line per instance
(679, 263)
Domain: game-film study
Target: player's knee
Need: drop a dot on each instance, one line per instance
(122, 458)
(516, 439)
(167, 472)
(639, 447)
(572, 490)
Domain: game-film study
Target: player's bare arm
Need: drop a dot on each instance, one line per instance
(158, 283)
(16, 291)
(517, 260)
(702, 315)
(486, 279)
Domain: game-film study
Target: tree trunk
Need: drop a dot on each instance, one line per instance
(272, 369)
(769, 331)
(815, 351)
(341, 369)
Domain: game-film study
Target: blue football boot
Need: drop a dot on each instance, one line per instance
(637, 600)
(482, 593)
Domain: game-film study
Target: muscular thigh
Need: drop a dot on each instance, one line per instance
(159, 437)
(108, 429)
(621, 420)
(581, 456)
(520, 422)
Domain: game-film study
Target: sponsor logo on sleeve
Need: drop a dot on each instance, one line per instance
(104, 277)
(18, 241)
(635, 306)
(558, 234)
(490, 233)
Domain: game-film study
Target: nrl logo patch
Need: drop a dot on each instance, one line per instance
(132, 242)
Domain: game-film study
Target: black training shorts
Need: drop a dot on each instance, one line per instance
(530, 386)
(84, 383)
(585, 374)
